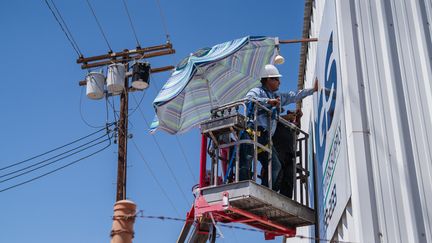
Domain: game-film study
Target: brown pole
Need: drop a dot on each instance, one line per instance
(122, 143)
(124, 210)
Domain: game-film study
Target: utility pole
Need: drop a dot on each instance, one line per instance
(124, 210)
(122, 142)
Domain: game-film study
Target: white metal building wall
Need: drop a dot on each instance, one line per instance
(385, 63)
(394, 43)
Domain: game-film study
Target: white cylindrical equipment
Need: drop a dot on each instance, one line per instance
(115, 78)
(95, 85)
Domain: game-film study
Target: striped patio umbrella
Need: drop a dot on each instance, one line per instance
(211, 77)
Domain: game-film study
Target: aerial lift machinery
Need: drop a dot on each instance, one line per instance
(220, 197)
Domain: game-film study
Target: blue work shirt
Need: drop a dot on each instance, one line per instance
(262, 95)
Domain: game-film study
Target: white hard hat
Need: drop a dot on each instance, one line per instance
(270, 71)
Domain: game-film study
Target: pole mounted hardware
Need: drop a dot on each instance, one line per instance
(124, 57)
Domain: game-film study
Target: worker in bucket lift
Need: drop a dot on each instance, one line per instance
(267, 94)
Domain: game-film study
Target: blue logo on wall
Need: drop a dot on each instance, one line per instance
(324, 120)
(326, 101)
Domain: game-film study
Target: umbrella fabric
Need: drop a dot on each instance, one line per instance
(209, 78)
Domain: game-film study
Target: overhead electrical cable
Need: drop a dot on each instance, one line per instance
(106, 110)
(55, 149)
(82, 115)
(66, 26)
(163, 21)
(165, 159)
(116, 114)
(131, 24)
(188, 164)
(185, 158)
(52, 162)
(68, 36)
(138, 104)
(169, 168)
(59, 168)
(46, 160)
(140, 214)
(99, 25)
(112, 105)
(155, 178)
(106, 107)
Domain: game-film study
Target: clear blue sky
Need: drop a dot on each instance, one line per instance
(40, 105)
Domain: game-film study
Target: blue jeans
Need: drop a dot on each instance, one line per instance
(276, 169)
(246, 158)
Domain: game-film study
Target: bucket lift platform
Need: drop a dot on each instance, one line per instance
(249, 203)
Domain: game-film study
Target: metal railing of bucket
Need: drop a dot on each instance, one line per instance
(225, 129)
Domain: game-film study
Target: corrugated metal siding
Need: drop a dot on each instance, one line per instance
(387, 66)
(397, 71)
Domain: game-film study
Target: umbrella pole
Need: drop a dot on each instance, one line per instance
(298, 41)
(203, 160)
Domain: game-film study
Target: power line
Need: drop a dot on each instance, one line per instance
(59, 168)
(131, 24)
(155, 178)
(107, 104)
(57, 148)
(106, 107)
(165, 159)
(138, 104)
(188, 164)
(67, 29)
(163, 155)
(163, 20)
(156, 87)
(41, 162)
(140, 214)
(150, 170)
(99, 25)
(73, 43)
(185, 157)
(81, 113)
(112, 105)
(170, 169)
(145, 161)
